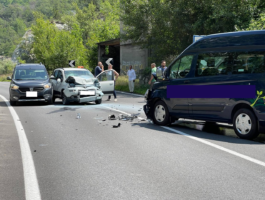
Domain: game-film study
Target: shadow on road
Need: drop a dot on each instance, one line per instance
(208, 131)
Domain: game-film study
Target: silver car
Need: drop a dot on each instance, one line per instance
(80, 85)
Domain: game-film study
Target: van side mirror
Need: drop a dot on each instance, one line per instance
(8, 78)
(159, 74)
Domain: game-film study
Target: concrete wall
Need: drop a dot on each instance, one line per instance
(132, 55)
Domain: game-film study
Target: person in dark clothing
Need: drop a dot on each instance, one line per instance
(99, 69)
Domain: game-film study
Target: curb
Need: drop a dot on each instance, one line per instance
(138, 95)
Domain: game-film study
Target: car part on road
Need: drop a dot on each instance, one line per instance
(114, 126)
(78, 116)
(245, 124)
(112, 117)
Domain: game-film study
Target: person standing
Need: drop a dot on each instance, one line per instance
(112, 77)
(132, 76)
(153, 73)
(163, 67)
(99, 69)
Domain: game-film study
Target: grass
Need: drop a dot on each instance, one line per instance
(3, 77)
(122, 84)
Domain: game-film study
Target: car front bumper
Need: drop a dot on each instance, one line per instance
(44, 95)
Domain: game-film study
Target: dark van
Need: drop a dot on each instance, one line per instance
(227, 60)
(30, 82)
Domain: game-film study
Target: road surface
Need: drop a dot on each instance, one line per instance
(88, 159)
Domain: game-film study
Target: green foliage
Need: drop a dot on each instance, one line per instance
(54, 48)
(167, 27)
(6, 67)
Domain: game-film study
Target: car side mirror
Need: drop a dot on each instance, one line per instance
(159, 74)
(52, 77)
(59, 80)
(8, 78)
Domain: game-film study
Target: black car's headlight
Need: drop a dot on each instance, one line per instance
(14, 87)
(47, 86)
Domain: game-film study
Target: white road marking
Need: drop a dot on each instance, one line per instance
(205, 142)
(32, 191)
(121, 112)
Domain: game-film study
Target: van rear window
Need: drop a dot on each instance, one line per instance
(224, 63)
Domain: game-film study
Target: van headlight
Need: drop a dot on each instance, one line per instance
(47, 86)
(14, 87)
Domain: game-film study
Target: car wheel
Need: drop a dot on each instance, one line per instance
(65, 101)
(13, 103)
(160, 114)
(245, 124)
(98, 101)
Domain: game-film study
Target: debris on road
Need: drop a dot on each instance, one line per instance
(114, 126)
(112, 117)
(78, 116)
(35, 150)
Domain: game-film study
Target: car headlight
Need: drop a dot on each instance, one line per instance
(14, 87)
(47, 86)
(96, 83)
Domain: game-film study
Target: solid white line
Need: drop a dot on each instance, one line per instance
(205, 142)
(32, 191)
(218, 147)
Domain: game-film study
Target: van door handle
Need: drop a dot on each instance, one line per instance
(186, 81)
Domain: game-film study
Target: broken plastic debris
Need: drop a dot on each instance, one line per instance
(78, 116)
(112, 117)
(127, 117)
(114, 126)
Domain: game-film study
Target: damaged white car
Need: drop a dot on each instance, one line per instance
(80, 85)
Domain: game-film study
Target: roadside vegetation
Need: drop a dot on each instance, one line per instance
(122, 84)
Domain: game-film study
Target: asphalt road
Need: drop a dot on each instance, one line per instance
(88, 159)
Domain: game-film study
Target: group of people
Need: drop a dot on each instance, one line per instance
(100, 68)
(131, 75)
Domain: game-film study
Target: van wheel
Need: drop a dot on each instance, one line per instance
(245, 124)
(160, 114)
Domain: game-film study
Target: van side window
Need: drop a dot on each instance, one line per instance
(213, 64)
(249, 62)
(181, 67)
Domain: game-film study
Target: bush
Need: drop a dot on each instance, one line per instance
(6, 67)
(122, 84)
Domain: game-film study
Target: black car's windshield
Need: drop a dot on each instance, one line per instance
(30, 74)
(79, 73)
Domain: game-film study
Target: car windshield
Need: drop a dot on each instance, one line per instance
(79, 73)
(30, 74)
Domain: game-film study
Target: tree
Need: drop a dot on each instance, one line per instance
(167, 27)
(54, 48)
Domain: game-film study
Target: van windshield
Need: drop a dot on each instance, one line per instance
(30, 74)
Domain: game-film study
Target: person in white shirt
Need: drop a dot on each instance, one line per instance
(132, 76)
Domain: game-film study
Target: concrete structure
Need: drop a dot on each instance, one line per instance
(124, 55)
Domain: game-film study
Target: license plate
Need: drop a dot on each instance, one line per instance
(31, 94)
(87, 92)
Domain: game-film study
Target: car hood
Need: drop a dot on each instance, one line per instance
(30, 82)
(84, 81)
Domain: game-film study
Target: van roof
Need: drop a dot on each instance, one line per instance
(230, 39)
(30, 66)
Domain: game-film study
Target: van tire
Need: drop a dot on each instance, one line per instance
(160, 114)
(12, 103)
(245, 124)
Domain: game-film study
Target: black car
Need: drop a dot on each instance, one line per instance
(30, 82)
(219, 78)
